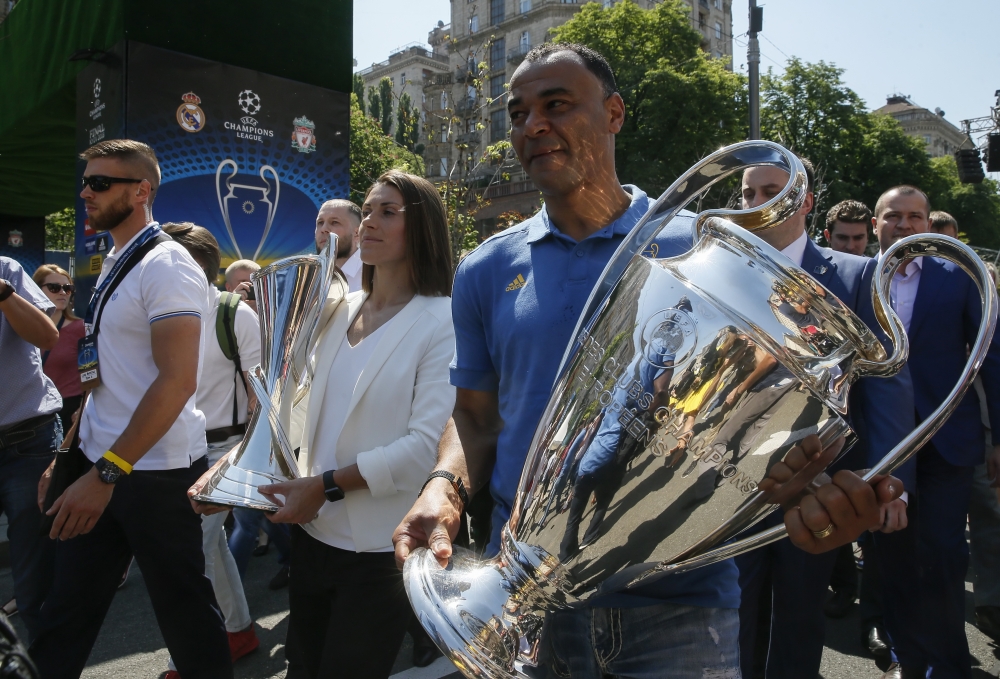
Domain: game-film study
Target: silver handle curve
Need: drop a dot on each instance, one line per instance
(929, 245)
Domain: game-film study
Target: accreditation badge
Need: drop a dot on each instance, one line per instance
(86, 362)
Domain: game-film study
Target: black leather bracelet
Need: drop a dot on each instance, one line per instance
(456, 482)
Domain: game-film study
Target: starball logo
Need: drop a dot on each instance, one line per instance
(247, 127)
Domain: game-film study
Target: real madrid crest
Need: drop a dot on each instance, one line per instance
(189, 114)
(304, 137)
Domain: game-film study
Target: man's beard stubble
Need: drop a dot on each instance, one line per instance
(113, 215)
(343, 247)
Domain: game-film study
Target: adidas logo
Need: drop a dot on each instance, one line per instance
(517, 283)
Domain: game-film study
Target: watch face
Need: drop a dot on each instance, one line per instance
(108, 472)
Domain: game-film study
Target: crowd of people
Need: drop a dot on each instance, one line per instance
(427, 387)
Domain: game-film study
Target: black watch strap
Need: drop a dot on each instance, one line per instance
(332, 491)
(455, 481)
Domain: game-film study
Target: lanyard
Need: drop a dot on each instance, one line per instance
(149, 233)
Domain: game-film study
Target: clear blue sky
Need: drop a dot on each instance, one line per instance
(943, 54)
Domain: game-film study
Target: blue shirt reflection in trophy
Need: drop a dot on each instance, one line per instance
(605, 462)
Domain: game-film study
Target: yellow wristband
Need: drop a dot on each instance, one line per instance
(114, 459)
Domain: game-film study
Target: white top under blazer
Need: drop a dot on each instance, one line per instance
(397, 409)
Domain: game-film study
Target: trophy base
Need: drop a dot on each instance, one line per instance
(466, 611)
(235, 487)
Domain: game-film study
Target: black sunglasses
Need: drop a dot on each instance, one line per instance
(99, 183)
(54, 288)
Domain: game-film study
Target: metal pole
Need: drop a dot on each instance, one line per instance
(753, 64)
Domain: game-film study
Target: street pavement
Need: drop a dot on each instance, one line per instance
(130, 644)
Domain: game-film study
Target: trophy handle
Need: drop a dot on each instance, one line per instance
(924, 245)
(223, 205)
(272, 208)
(278, 435)
(928, 245)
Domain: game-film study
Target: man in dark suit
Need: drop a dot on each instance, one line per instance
(878, 407)
(924, 566)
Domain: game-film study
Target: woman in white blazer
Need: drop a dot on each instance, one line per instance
(379, 401)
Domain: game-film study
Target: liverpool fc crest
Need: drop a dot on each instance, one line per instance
(189, 114)
(304, 136)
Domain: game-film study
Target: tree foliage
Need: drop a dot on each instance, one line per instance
(60, 229)
(858, 154)
(372, 153)
(407, 123)
(358, 87)
(680, 104)
(385, 105)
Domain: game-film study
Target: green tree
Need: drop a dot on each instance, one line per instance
(60, 229)
(407, 123)
(358, 87)
(385, 104)
(374, 104)
(680, 104)
(372, 153)
(976, 207)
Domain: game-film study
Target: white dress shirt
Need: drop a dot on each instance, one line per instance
(332, 524)
(796, 250)
(352, 271)
(903, 290)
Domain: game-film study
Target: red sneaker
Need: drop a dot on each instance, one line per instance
(241, 643)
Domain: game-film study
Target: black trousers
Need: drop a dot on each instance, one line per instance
(149, 516)
(348, 612)
(603, 485)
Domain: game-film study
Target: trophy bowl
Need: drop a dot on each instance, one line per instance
(290, 296)
(686, 380)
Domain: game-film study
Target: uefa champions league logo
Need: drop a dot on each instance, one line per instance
(249, 102)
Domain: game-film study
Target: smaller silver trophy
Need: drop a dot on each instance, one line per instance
(290, 297)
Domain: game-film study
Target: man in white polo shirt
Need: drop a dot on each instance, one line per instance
(141, 433)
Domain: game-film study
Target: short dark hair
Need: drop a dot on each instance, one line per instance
(428, 247)
(344, 203)
(592, 59)
(850, 212)
(140, 156)
(200, 243)
(940, 219)
(903, 190)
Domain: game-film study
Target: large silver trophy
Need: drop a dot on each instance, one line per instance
(686, 380)
(290, 296)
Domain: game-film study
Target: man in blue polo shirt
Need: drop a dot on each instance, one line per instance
(516, 302)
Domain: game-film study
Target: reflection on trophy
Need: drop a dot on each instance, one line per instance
(645, 417)
(290, 297)
(251, 206)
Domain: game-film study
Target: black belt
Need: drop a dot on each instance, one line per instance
(222, 433)
(22, 431)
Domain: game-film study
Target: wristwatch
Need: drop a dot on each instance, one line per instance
(8, 289)
(332, 491)
(108, 471)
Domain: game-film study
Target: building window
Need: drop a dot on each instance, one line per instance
(444, 100)
(718, 31)
(497, 52)
(496, 86)
(498, 126)
(496, 12)
(525, 42)
(444, 167)
(402, 79)
(470, 92)
(717, 3)
(474, 24)
(525, 6)
(608, 3)
(568, 2)
(927, 139)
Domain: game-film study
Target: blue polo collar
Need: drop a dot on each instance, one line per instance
(541, 226)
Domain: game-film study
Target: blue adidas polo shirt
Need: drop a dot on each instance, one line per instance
(515, 304)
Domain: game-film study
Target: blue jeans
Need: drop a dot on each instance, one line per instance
(668, 641)
(244, 538)
(23, 458)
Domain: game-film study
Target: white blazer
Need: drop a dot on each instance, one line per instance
(396, 416)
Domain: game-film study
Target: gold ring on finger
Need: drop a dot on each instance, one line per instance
(826, 532)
